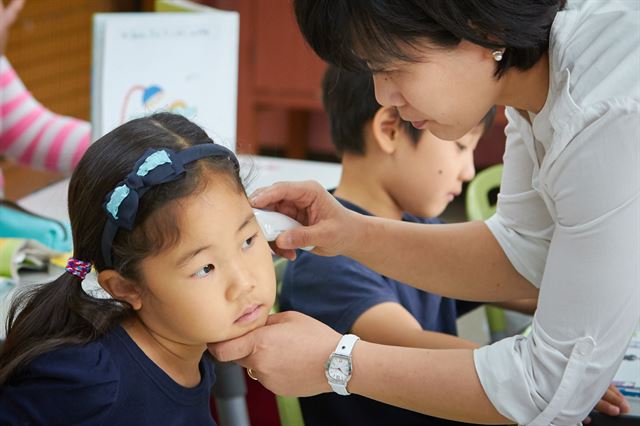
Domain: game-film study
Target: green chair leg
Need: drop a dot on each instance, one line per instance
(289, 410)
(497, 322)
(288, 406)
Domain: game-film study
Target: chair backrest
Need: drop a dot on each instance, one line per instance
(280, 265)
(288, 406)
(478, 204)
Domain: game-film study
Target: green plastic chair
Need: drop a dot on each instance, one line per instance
(280, 265)
(479, 207)
(288, 406)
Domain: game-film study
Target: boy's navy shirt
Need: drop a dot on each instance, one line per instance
(109, 381)
(337, 291)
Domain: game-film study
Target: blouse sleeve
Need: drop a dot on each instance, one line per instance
(75, 385)
(522, 224)
(33, 135)
(589, 301)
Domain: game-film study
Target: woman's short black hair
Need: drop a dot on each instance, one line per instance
(348, 32)
(350, 102)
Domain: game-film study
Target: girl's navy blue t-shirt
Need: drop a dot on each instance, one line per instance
(109, 381)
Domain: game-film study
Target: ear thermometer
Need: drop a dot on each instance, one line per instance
(274, 224)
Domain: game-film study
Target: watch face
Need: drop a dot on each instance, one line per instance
(339, 369)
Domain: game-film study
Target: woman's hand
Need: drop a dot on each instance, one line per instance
(330, 227)
(613, 403)
(287, 355)
(8, 16)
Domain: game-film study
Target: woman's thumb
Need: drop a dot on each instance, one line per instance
(303, 236)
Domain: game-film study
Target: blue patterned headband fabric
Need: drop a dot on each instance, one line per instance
(155, 167)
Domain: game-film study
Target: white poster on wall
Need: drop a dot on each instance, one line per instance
(186, 63)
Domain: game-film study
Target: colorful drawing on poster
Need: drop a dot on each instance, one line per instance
(141, 100)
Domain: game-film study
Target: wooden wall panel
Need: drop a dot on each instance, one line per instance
(50, 48)
(285, 65)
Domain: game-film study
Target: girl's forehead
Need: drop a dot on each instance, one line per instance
(212, 218)
(216, 199)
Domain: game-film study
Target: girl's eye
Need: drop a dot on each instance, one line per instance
(203, 272)
(248, 242)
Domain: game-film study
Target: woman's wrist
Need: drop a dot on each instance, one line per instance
(367, 360)
(360, 234)
(358, 368)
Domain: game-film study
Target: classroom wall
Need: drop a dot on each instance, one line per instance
(283, 75)
(50, 48)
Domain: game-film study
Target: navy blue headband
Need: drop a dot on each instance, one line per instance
(155, 167)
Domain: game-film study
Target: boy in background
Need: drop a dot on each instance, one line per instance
(389, 169)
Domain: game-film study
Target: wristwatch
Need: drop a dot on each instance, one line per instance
(338, 368)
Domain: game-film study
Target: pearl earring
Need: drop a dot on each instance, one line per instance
(497, 55)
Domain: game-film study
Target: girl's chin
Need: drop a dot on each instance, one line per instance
(242, 330)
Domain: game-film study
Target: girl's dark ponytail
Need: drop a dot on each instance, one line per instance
(46, 316)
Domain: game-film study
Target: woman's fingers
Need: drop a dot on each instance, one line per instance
(325, 223)
(234, 350)
(287, 353)
(241, 347)
(287, 254)
(299, 194)
(613, 402)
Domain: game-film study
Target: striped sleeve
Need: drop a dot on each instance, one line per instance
(32, 135)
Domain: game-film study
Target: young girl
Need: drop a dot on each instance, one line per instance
(160, 211)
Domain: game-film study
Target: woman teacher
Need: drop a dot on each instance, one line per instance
(567, 226)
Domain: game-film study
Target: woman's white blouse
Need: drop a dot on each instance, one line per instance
(568, 218)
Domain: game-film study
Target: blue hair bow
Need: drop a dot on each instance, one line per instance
(155, 167)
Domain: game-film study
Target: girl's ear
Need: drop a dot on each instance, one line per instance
(120, 288)
(386, 129)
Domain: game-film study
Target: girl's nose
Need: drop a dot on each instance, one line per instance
(240, 283)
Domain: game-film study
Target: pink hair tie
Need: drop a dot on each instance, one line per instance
(77, 267)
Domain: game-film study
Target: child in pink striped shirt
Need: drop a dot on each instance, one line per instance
(29, 133)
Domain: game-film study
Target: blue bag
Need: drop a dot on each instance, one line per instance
(16, 222)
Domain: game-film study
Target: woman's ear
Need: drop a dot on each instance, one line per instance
(386, 129)
(120, 288)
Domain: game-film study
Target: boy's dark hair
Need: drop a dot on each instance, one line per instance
(340, 31)
(350, 102)
(61, 313)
